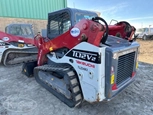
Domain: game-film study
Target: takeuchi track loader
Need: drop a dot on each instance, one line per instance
(17, 44)
(82, 61)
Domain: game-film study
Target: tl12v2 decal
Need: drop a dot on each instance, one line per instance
(89, 56)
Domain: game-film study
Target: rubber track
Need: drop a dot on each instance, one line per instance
(4, 58)
(76, 93)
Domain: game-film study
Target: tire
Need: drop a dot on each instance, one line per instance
(144, 37)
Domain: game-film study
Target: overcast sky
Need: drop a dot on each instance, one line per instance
(138, 12)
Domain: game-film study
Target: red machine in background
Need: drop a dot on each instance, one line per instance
(123, 29)
(14, 38)
(17, 44)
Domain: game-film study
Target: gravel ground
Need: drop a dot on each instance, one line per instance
(20, 95)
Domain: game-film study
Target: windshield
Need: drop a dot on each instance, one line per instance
(20, 30)
(80, 16)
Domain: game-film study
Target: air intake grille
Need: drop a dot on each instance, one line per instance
(125, 67)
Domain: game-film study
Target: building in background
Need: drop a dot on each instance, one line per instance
(34, 12)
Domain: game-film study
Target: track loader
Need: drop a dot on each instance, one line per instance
(81, 61)
(17, 44)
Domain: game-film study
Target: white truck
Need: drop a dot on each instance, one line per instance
(145, 33)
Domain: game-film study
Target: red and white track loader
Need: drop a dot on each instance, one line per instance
(17, 44)
(82, 61)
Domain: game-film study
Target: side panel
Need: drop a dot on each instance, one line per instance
(108, 63)
(91, 74)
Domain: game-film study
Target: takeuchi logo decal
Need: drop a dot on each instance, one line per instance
(75, 32)
(5, 38)
(85, 64)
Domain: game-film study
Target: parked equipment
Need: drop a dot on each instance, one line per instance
(145, 33)
(123, 30)
(82, 61)
(17, 44)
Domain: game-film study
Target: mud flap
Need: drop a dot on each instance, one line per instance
(28, 68)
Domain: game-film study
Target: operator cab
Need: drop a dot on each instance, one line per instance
(22, 30)
(62, 20)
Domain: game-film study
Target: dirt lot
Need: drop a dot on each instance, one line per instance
(146, 51)
(20, 95)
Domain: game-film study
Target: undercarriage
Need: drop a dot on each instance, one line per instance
(18, 56)
(61, 81)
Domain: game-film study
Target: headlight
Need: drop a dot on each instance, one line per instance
(115, 56)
